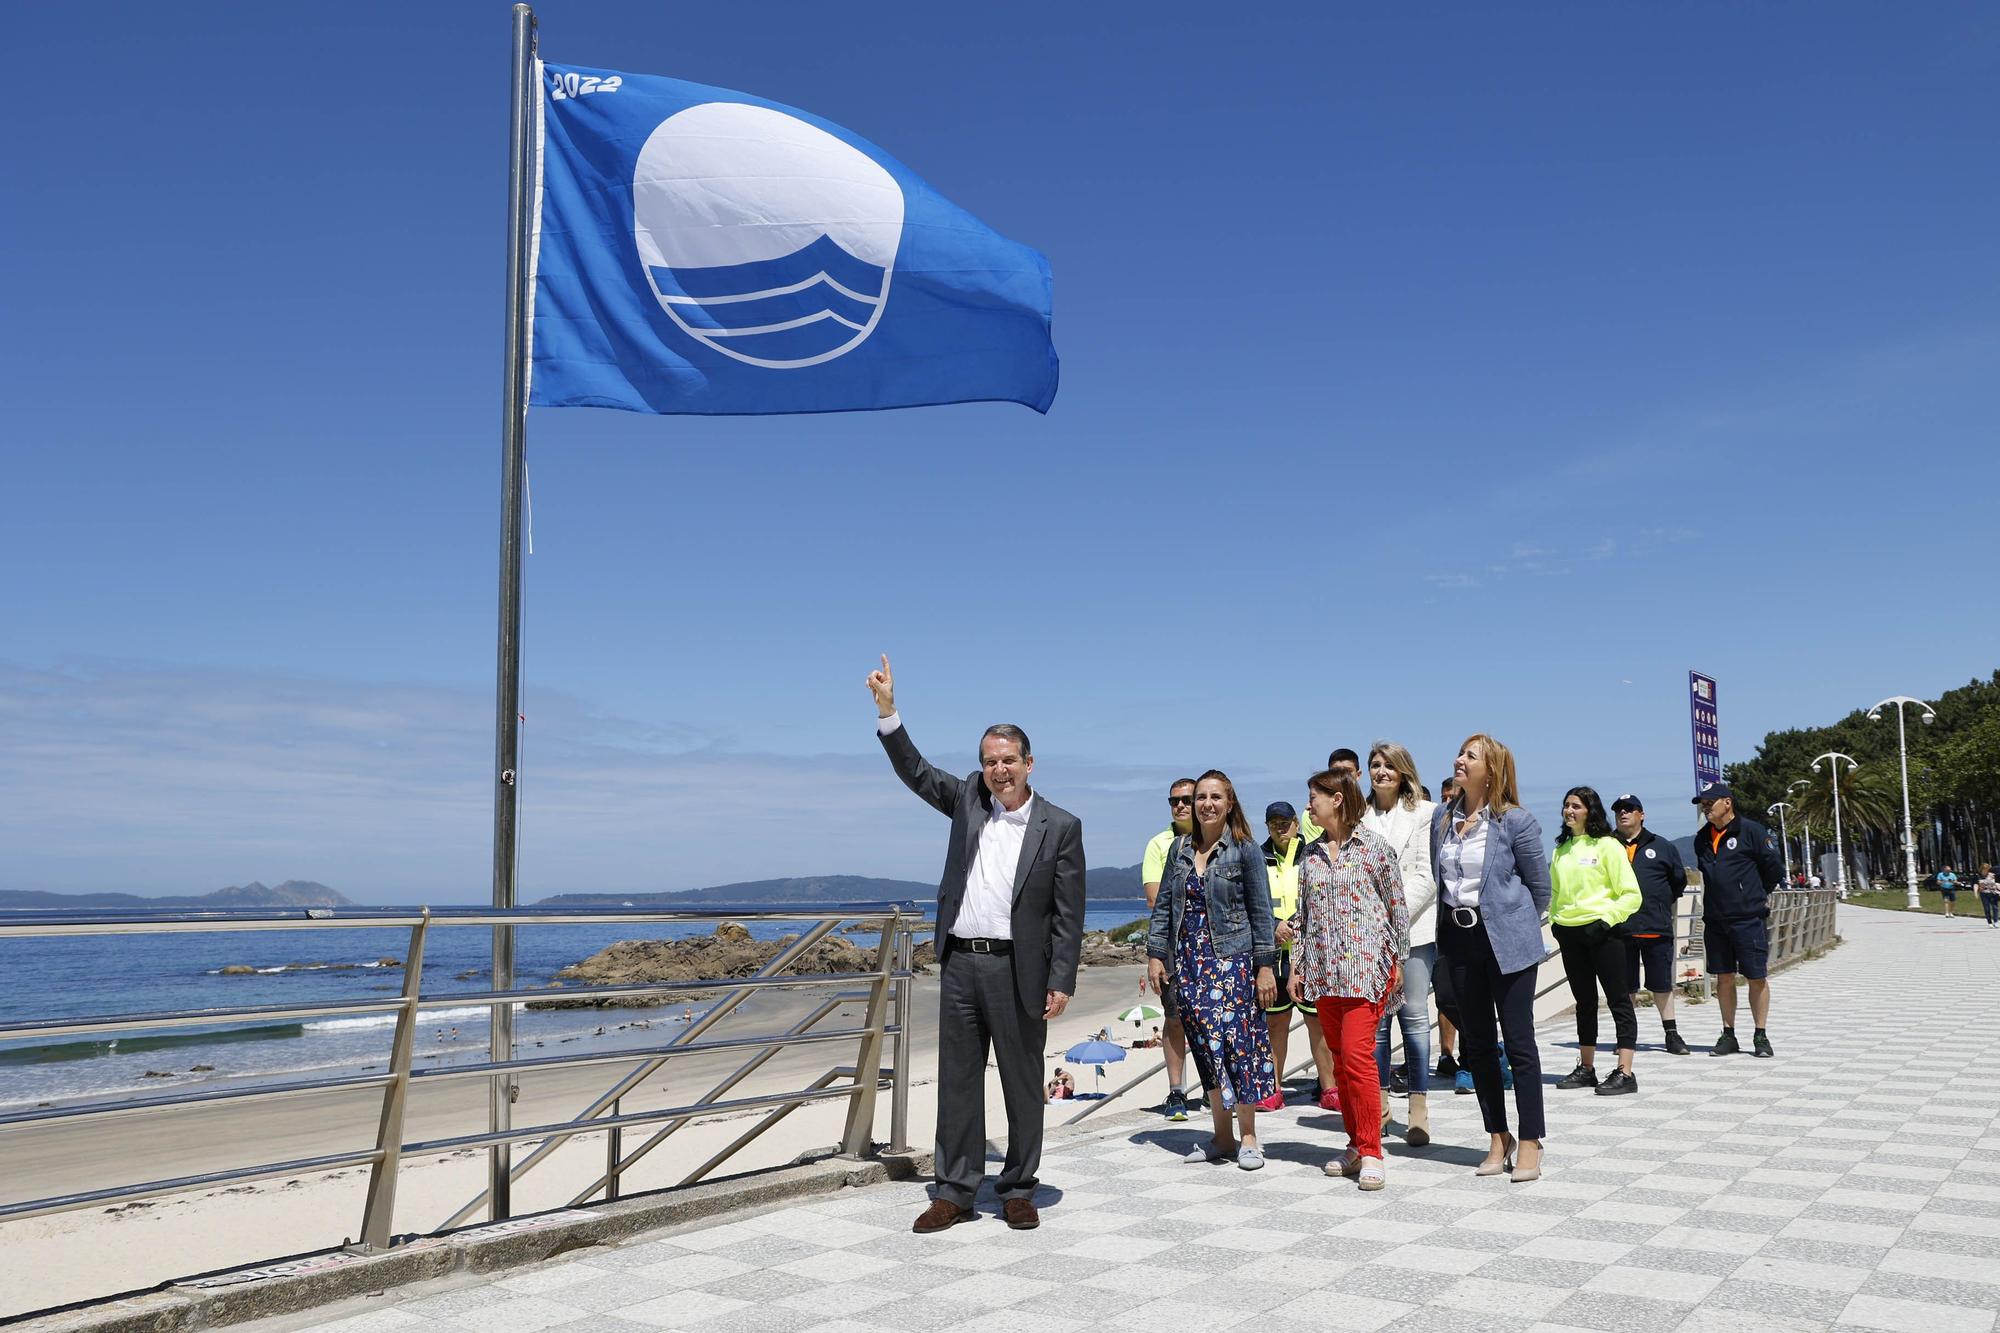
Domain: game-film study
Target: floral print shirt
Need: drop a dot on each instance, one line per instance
(1353, 922)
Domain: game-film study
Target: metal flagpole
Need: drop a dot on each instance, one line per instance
(507, 703)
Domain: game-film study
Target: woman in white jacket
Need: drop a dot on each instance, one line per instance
(1398, 813)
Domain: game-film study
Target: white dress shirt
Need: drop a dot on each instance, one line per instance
(1462, 862)
(987, 911)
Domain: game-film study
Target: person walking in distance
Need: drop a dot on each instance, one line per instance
(1989, 895)
(1740, 865)
(1650, 946)
(1281, 872)
(1592, 894)
(1180, 821)
(1214, 937)
(1354, 937)
(1947, 882)
(1493, 887)
(1398, 814)
(1010, 927)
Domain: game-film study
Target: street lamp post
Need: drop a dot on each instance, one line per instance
(1784, 837)
(1903, 755)
(1805, 831)
(1839, 845)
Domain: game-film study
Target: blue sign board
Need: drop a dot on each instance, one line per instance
(1707, 740)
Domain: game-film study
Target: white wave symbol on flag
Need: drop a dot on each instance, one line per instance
(766, 238)
(795, 310)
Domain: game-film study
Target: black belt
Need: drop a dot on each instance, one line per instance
(1459, 917)
(1001, 947)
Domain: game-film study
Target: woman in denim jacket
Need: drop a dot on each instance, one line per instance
(1493, 889)
(1214, 938)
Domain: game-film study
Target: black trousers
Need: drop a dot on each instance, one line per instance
(1493, 1006)
(1593, 957)
(979, 1009)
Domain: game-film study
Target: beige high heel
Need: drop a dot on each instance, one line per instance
(1417, 1129)
(1521, 1176)
(1385, 1108)
(1506, 1162)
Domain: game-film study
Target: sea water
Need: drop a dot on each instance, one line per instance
(103, 975)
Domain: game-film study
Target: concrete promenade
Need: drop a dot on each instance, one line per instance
(1852, 1182)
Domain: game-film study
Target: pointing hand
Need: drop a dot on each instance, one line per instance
(883, 685)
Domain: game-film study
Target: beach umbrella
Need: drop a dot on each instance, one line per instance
(1097, 1054)
(1141, 1014)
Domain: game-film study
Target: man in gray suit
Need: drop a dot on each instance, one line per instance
(1010, 925)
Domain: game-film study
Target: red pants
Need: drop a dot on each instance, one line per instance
(1350, 1026)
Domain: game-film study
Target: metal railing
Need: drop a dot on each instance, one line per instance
(884, 989)
(1802, 923)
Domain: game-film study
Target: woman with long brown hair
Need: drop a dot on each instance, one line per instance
(1493, 887)
(1354, 936)
(1214, 940)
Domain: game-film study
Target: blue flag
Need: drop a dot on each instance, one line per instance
(702, 251)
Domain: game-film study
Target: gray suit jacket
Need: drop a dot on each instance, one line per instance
(1048, 882)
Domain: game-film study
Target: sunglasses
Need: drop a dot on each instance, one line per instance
(1180, 800)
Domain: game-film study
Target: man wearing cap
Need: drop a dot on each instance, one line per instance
(1740, 865)
(1153, 868)
(1649, 932)
(1281, 869)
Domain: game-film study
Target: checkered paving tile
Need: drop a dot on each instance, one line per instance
(1851, 1183)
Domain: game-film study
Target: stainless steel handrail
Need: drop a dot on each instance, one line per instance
(884, 991)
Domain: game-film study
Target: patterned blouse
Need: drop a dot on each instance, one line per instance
(1353, 922)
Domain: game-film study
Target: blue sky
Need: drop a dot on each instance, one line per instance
(1477, 368)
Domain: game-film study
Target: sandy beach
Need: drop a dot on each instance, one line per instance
(101, 1251)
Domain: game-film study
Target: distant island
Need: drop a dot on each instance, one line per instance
(1099, 882)
(292, 893)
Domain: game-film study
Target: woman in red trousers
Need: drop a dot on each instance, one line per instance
(1353, 937)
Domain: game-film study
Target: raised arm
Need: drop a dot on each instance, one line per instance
(938, 789)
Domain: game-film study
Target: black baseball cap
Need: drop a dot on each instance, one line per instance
(1279, 810)
(1715, 791)
(1628, 802)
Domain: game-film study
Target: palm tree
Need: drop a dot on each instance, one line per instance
(1870, 800)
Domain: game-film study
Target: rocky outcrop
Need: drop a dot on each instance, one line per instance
(1100, 949)
(731, 953)
(728, 954)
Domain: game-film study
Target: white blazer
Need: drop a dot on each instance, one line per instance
(1409, 832)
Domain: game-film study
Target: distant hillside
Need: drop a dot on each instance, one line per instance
(1113, 882)
(805, 889)
(292, 893)
(1099, 882)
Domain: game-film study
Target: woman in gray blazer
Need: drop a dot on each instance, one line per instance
(1493, 887)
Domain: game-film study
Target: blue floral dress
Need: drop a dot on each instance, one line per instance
(1227, 1035)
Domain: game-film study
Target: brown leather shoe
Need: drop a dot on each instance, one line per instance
(1020, 1214)
(941, 1214)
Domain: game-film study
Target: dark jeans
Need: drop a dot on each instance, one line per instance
(1594, 955)
(1493, 1006)
(1989, 903)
